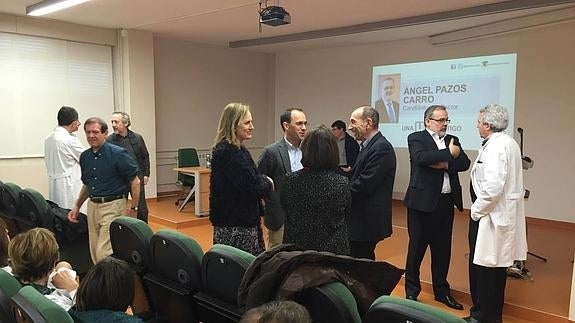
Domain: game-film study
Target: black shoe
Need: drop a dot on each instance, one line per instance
(411, 297)
(450, 302)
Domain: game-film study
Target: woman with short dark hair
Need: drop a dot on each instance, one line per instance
(316, 199)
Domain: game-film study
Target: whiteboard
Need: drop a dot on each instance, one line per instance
(40, 75)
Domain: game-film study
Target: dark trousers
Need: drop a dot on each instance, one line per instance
(142, 206)
(487, 284)
(362, 249)
(431, 229)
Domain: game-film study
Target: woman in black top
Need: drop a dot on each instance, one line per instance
(316, 199)
(236, 186)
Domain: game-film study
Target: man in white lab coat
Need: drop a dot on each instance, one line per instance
(497, 234)
(62, 151)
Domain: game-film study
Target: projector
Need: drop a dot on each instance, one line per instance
(274, 16)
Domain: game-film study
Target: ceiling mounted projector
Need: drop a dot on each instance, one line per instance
(273, 15)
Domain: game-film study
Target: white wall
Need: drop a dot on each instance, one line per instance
(193, 84)
(330, 83)
(135, 92)
(31, 172)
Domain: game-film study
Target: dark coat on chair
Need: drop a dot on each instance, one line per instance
(275, 163)
(425, 182)
(371, 191)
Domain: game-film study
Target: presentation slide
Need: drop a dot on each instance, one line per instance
(402, 92)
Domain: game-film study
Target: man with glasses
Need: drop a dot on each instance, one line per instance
(62, 151)
(436, 159)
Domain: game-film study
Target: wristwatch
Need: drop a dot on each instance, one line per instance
(135, 208)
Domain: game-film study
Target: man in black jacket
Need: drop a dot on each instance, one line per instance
(371, 185)
(134, 144)
(436, 159)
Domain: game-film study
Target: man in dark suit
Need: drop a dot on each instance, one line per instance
(371, 185)
(348, 147)
(388, 109)
(277, 160)
(434, 188)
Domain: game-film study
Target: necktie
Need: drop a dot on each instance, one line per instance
(390, 112)
(361, 146)
(484, 142)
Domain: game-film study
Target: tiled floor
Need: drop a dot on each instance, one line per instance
(526, 300)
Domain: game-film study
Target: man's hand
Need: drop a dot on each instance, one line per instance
(454, 149)
(346, 169)
(73, 214)
(146, 178)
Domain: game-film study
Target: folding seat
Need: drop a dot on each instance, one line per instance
(9, 200)
(395, 309)
(28, 305)
(9, 286)
(130, 238)
(331, 302)
(175, 275)
(223, 268)
(33, 211)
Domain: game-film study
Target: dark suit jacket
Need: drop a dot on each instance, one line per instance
(134, 144)
(371, 190)
(382, 109)
(425, 182)
(275, 163)
(351, 149)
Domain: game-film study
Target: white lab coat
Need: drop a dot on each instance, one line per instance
(497, 179)
(62, 157)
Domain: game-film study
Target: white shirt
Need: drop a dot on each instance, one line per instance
(294, 156)
(440, 142)
(62, 157)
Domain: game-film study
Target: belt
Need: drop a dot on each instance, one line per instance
(106, 198)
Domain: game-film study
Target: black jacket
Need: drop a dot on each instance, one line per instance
(425, 182)
(136, 147)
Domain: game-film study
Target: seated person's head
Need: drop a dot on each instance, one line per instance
(277, 312)
(33, 255)
(109, 285)
(4, 242)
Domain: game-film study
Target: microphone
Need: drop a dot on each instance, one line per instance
(520, 130)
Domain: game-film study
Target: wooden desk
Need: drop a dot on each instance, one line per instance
(201, 189)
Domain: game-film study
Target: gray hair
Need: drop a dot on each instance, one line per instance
(495, 116)
(124, 116)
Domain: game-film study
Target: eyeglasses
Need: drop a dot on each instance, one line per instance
(441, 120)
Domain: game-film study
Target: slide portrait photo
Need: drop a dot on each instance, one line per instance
(388, 102)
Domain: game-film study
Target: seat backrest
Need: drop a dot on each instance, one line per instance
(174, 276)
(223, 268)
(28, 305)
(33, 211)
(395, 309)
(331, 302)
(176, 257)
(9, 286)
(187, 157)
(10, 198)
(8, 218)
(130, 238)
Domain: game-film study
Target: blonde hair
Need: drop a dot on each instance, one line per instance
(231, 117)
(33, 254)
